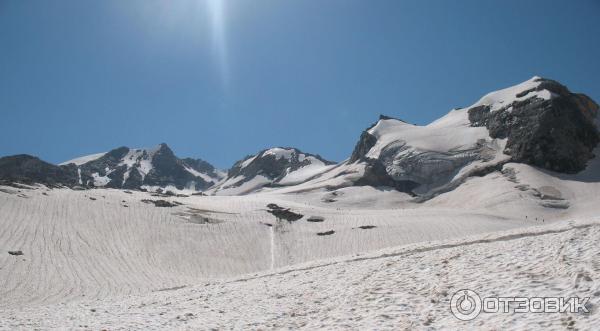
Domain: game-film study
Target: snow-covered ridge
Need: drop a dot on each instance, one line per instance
(424, 160)
(421, 160)
(503, 125)
(451, 132)
(278, 166)
(504, 98)
(279, 152)
(454, 130)
(83, 159)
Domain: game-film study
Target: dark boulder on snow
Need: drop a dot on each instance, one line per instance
(161, 203)
(283, 213)
(325, 233)
(316, 219)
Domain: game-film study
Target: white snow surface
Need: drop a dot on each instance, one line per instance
(302, 174)
(506, 97)
(213, 262)
(254, 184)
(279, 152)
(451, 132)
(83, 159)
(100, 180)
(204, 176)
(404, 288)
(141, 159)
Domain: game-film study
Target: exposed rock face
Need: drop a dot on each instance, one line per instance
(158, 167)
(29, 169)
(375, 170)
(376, 174)
(557, 133)
(364, 145)
(120, 168)
(367, 141)
(169, 170)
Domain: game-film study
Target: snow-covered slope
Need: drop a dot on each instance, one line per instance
(272, 167)
(106, 242)
(537, 122)
(83, 159)
(404, 288)
(505, 98)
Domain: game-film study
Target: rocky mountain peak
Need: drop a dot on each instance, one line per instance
(122, 167)
(277, 166)
(537, 122)
(544, 123)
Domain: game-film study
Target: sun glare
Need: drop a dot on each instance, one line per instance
(216, 10)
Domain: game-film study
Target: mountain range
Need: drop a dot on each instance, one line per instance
(538, 122)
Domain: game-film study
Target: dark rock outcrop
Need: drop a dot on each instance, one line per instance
(558, 134)
(376, 175)
(367, 141)
(169, 170)
(29, 170)
(363, 146)
(124, 167)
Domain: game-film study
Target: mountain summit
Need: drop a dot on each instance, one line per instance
(544, 123)
(538, 122)
(273, 167)
(121, 167)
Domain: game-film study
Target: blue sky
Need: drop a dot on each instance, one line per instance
(220, 80)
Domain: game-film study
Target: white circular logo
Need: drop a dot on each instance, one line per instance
(465, 305)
